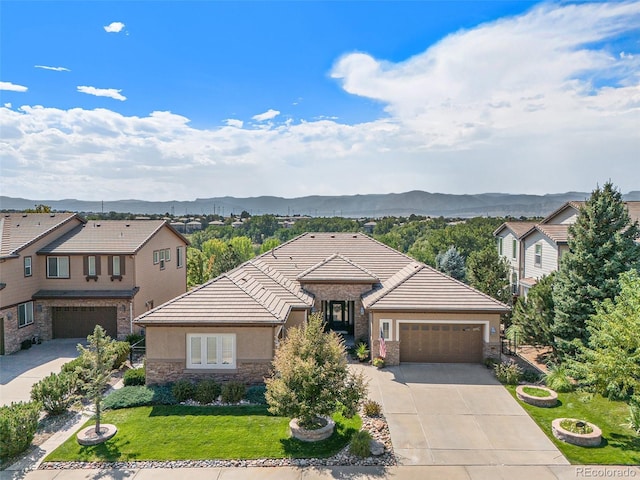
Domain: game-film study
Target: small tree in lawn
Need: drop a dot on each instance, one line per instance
(311, 377)
(99, 360)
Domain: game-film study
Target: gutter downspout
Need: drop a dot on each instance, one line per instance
(130, 316)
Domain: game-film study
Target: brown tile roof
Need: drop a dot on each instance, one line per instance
(309, 249)
(265, 289)
(518, 228)
(418, 287)
(634, 210)
(337, 269)
(107, 236)
(219, 301)
(573, 204)
(68, 294)
(19, 230)
(557, 233)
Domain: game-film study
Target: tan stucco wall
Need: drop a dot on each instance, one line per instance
(491, 347)
(170, 343)
(155, 284)
(77, 279)
(295, 319)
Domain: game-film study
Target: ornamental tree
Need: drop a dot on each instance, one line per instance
(451, 263)
(611, 359)
(98, 361)
(311, 378)
(601, 247)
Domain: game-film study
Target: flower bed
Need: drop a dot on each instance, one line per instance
(550, 400)
(591, 439)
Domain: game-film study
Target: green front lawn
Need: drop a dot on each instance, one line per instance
(175, 432)
(620, 445)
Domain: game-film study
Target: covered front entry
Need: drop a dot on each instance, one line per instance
(440, 342)
(339, 315)
(76, 322)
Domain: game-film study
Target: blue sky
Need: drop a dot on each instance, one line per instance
(178, 100)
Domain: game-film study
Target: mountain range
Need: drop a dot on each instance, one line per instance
(353, 206)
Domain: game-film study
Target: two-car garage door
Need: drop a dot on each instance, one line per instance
(79, 322)
(440, 342)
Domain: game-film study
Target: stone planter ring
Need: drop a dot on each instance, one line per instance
(312, 435)
(549, 401)
(592, 439)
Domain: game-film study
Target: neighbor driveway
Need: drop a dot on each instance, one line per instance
(20, 370)
(456, 414)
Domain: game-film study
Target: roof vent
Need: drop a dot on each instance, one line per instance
(333, 236)
(24, 215)
(127, 224)
(312, 236)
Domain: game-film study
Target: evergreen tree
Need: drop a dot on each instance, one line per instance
(489, 273)
(601, 247)
(451, 263)
(535, 313)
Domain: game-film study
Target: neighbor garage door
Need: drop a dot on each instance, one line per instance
(440, 343)
(77, 322)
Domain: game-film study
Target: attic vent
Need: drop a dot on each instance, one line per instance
(333, 236)
(312, 236)
(127, 225)
(355, 236)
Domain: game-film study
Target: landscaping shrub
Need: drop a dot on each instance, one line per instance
(183, 390)
(56, 393)
(121, 351)
(73, 365)
(78, 367)
(233, 392)
(138, 396)
(134, 376)
(372, 408)
(18, 424)
(558, 379)
(134, 338)
(508, 372)
(207, 391)
(531, 376)
(633, 420)
(360, 444)
(255, 394)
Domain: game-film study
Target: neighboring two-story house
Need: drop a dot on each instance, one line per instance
(60, 275)
(540, 246)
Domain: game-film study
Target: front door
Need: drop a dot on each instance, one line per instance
(337, 316)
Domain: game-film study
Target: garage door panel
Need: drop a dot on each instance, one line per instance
(79, 322)
(440, 343)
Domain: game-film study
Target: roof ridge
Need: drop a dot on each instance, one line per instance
(47, 231)
(283, 281)
(259, 300)
(401, 280)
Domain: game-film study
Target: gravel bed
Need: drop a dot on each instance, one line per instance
(376, 426)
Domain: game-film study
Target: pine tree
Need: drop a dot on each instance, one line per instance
(488, 272)
(535, 313)
(451, 263)
(601, 247)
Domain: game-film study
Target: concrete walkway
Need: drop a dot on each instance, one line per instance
(20, 370)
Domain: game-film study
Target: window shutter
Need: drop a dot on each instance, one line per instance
(97, 264)
(85, 265)
(110, 264)
(122, 264)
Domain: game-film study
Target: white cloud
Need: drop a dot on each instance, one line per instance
(12, 87)
(7, 105)
(268, 115)
(232, 122)
(114, 27)
(102, 92)
(55, 69)
(516, 105)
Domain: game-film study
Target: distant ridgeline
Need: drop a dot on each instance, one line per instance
(353, 206)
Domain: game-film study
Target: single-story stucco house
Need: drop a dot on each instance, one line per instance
(229, 327)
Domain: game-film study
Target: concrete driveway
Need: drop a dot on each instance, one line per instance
(457, 414)
(20, 370)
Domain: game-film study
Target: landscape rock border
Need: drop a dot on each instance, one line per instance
(545, 402)
(592, 439)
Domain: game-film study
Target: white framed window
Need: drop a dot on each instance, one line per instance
(91, 265)
(116, 266)
(385, 329)
(162, 252)
(514, 249)
(58, 267)
(25, 314)
(156, 257)
(180, 257)
(28, 270)
(499, 245)
(211, 350)
(537, 259)
(167, 254)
